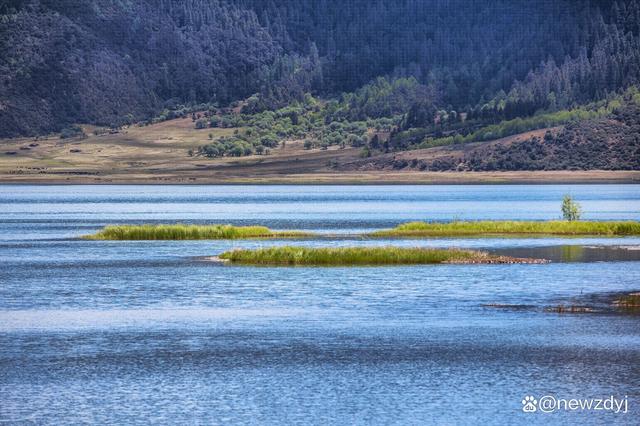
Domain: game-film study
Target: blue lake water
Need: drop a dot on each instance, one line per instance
(134, 332)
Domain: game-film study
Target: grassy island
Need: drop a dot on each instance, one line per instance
(190, 232)
(353, 256)
(556, 227)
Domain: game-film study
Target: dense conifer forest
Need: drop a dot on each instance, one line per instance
(384, 75)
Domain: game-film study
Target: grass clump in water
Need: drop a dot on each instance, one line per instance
(353, 256)
(190, 232)
(554, 227)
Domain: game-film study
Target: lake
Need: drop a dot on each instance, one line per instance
(137, 332)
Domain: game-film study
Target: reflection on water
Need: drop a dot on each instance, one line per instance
(576, 253)
(138, 332)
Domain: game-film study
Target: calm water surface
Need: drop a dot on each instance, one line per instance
(146, 332)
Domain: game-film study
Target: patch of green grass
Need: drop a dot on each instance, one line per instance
(190, 232)
(556, 227)
(350, 256)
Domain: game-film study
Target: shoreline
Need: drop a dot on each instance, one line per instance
(354, 178)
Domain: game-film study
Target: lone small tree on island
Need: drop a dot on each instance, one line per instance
(570, 209)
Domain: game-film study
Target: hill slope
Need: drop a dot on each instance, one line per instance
(104, 62)
(160, 153)
(113, 63)
(608, 143)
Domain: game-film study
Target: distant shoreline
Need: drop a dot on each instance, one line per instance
(353, 178)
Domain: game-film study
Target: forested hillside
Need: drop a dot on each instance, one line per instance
(610, 142)
(432, 68)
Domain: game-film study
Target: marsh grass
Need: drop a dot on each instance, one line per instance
(190, 232)
(349, 256)
(411, 229)
(557, 227)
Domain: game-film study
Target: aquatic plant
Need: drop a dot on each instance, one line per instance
(344, 256)
(556, 227)
(190, 232)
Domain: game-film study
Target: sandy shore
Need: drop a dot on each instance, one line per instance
(383, 177)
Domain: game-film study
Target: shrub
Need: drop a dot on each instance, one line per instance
(72, 132)
(270, 141)
(570, 209)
